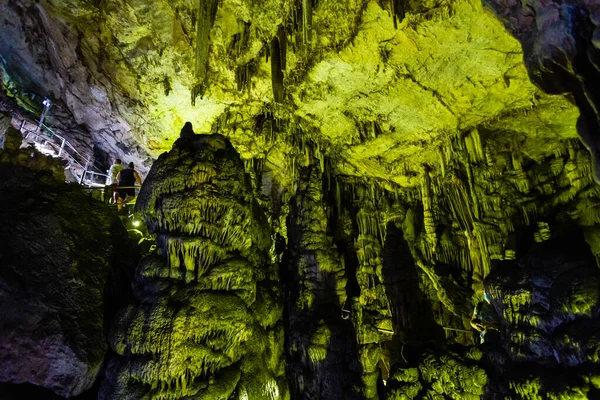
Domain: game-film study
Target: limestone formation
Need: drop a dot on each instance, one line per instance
(560, 43)
(360, 176)
(206, 322)
(322, 345)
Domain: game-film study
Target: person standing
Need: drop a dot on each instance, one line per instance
(112, 176)
(127, 178)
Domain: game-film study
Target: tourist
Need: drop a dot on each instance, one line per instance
(127, 179)
(112, 178)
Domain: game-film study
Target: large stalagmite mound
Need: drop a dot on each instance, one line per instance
(206, 319)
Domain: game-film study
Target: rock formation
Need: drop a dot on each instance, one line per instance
(206, 322)
(360, 176)
(323, 353)
(65, 264)
(560, 43)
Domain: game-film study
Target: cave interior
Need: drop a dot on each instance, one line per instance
(373, 199)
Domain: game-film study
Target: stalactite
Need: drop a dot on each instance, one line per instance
(398, 9)
(443, 161)
(243, 77)
(428, 213)
(307, 20)
(277, 71)
(473, 147)
(207, 12)
(282, 38)
(473, 192)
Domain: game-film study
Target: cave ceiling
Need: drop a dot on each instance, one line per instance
(376, 89)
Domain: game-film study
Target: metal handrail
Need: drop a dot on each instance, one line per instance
(62, 152)
(65, 141)
(37, 134)
(116, 187)
(70, 153)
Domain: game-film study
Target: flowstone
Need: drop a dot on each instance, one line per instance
(206, 322)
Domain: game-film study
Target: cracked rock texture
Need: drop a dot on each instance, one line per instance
(560, 42)
(377, 85)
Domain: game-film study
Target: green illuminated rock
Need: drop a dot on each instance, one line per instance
(206, 323)
(379, 167)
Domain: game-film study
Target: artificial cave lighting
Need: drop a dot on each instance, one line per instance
(365, 199)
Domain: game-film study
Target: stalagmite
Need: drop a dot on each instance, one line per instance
(197, 323)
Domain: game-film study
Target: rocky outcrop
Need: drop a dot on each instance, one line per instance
(63, 262)
(561, 42)
(549, 303)
(441, 374)
(49, 64)
(206, 322)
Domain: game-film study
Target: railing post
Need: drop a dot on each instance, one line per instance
(84, 173)
(46, 104)
(62, 146)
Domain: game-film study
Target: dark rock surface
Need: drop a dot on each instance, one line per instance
(549, 302)
(47, 64)
(547, 347)
(63, 258)
(561, 43)
(544, 298)
(324, 360)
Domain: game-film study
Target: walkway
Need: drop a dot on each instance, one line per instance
(50, 143)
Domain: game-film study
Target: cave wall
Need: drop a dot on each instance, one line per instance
(361, 292)
(65, 266)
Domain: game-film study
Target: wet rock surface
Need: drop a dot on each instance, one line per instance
(63, 268)
(323, 359)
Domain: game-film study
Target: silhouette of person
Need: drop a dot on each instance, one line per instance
(187, 131)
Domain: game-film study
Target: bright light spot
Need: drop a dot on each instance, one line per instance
(136, 223)
(272, 389)
(243, 393)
